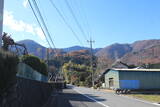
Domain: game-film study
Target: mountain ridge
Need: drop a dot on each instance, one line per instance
(136, 53)
(128, 53)
(40, 51)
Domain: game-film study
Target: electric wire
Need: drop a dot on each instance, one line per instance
(39, 23)
(44, 25)
(54, 49)
(82, 10)
(61, 15)
(77, 10)
(75, 18)
(42, 9)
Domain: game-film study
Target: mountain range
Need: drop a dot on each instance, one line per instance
(144, 51)
(38, 50)
(137, 53)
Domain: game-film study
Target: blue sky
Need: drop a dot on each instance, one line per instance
(106, 21)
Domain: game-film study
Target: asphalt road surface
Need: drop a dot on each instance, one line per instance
(86, 97)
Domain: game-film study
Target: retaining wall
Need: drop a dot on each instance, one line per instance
(28, 93)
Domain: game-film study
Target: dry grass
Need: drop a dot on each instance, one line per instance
(107, 90)
(148, 97)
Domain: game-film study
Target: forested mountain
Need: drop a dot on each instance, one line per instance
(139, 52)
(147, 55)
(34, 48)
(40, 51)
(74, 48)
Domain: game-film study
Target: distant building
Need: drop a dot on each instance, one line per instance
(132, 78)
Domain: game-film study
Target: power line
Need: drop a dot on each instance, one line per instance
(43, 30)
(54, 49)
(85, 17)
(61, 15)
(76, 7)
(39, 23)
(44, 24)
(75, 18)
(45, 27)
(42, 10)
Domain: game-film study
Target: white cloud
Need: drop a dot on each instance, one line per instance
(25, 3)
(40, 33)
(29, 28)
(21, 26)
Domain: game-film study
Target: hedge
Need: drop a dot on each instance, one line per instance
(8, 69)
(35, 63)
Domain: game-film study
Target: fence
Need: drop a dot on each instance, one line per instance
(27, 72)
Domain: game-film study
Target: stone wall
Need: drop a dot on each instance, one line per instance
(27, 93)
(32, 93)
(29, 89)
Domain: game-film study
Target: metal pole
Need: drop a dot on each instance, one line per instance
(1, 20)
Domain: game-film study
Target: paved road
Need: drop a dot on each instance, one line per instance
(86, 97)
(111, 99)
(71, 98)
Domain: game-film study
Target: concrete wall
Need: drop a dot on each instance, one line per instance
(112, 74)
(146, 80)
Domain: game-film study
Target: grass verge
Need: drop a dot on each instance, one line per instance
(147, 97)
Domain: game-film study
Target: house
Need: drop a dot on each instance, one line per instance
(132, 79)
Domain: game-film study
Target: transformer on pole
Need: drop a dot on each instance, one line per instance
(1, 20)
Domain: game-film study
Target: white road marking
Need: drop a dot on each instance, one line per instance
(91, 98)
(131, 98)
(156, 104)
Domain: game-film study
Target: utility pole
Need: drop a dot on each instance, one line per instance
(91, 52)
(48, 62)
(1, 20)
(42, 54)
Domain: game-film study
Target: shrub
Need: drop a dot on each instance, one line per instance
(43, 68)
(8, 69)
(81, 83)
(35, 63)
